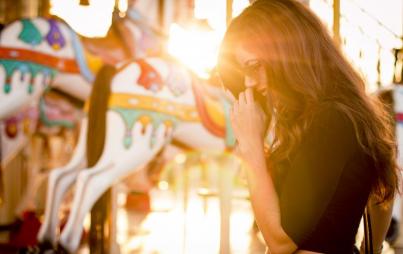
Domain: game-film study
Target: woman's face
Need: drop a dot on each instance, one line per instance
(254, 76)
(251, 66)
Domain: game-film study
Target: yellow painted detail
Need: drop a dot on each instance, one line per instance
(86, 107)
(94, 62)
(168, 124)
(135, 101)
(145, 120)
(215, 112)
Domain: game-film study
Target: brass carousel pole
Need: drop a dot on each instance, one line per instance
(99, 233)
(336, 22)
(228, 14)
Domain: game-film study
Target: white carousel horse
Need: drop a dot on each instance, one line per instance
(37, 54)
(29, 60)
(151, 102)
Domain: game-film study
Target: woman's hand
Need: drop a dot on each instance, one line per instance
(249, 124)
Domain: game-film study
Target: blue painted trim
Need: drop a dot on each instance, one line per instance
(80, 58)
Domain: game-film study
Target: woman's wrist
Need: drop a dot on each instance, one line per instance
(251, 147)
(253, 158)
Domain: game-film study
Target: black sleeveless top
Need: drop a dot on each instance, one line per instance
(324, 186)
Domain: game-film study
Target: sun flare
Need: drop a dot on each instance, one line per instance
(93, 20)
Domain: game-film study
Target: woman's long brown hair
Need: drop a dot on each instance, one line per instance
(305, 71)
(97, 113)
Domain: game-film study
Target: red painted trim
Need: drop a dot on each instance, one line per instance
(61, 64)
(399, 117)
(205, 118)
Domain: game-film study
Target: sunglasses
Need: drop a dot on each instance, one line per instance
(232, 78)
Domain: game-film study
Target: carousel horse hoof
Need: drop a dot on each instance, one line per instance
(61, 250)
(41, 248)
(46, 247)
(29, 250)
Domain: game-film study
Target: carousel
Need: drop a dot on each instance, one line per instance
(114, 130)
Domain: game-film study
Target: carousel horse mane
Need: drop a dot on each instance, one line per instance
(97, 114)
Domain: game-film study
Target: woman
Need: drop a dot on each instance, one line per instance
(332, 147)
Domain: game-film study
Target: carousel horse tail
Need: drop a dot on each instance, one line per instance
(97, 113)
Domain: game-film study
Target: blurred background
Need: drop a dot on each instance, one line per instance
(187, 205)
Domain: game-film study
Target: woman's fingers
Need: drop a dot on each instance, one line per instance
(242, 98)
(249, 96)
(235, 107)
(229, 96)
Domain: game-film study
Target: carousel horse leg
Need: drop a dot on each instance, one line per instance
(59, 182)
(34, 177)
(56, 149)
(91, 184)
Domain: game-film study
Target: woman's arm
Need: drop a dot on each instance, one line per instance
(380, 214)
(248, 122)
(265, 203)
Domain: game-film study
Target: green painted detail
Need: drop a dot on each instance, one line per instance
(127, 141)
(52, 123)
(30, 34)
(30, 88)
(12, 65)
(7, 88)
(131, 116)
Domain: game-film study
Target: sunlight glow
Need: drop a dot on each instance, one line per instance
(180, 158)
(366, 42)
(163, 185)
(195, 48)
(93, 20)
(198, 47)
(192, 223)
(122, 6)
